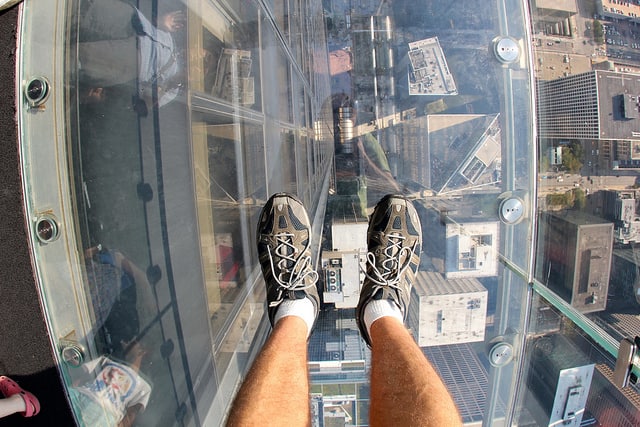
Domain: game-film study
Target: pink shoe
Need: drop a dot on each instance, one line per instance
(9, 387)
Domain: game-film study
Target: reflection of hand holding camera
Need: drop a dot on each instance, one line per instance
(172, 21)
(93, 251)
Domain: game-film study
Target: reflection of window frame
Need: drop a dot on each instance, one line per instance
(233, 80)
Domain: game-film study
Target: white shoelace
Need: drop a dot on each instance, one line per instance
(297, 274)
(391, 266)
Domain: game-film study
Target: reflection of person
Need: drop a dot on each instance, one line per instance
(113, 283)
(16, 399)
(118, 44)
(109, 392)
(405, 388)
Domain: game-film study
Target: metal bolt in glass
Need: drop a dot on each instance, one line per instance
(506, 49)
(511, 210)
(501, 354)
(73, 355)
(46, 228)
(36, 91)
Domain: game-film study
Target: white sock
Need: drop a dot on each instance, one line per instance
(378, 308)
(303, 308)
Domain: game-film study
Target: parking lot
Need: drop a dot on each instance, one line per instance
(623, 41)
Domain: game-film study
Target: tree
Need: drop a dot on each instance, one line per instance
(544, 163)
(598, 32)
(556, 199)
(569, 199)
(572, 157)
(577, 149)
(580, 198)
(574, 198)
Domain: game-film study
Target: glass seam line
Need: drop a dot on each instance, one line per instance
(594, 331)
(204, 103)
(166, 249)
(524, 275)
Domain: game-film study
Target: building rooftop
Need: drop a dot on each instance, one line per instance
(471, 248)
(469, 391)
(336, 350)
(429, 73)
(340, 62)
(464, 150)
(579, 218)
(618, 104)
(559, 5)
(431, 283)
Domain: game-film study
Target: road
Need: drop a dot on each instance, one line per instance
(549, 183)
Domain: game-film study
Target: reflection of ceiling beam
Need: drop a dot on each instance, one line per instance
(442, 121)
(436, 121)
(383, 122)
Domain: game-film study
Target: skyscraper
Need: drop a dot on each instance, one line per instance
(575, 261)
(593, 105)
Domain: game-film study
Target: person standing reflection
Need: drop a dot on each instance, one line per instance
(119, 45)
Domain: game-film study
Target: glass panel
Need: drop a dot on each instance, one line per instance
(434, 102)
(296, 34)
(167, 150)
(125, 92)
(303, 162)
(281, 13)
(160, 142)
(587, 104)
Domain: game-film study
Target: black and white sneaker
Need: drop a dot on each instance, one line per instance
(394, 240)
(284, 236)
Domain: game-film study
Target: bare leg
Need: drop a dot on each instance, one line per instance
(405, 389)
(11, 405)
(276, 389)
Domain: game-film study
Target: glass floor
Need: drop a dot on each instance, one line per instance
(153, 132)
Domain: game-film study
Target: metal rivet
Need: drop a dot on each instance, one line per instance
(500, 354)
(46, 228)
(506, 49)
(37, 91)
(72, 356)
(512, 210)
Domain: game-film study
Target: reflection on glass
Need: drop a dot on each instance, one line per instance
(130, 62)
(586, 65)
(176, 146)
(118, 45)
(114, 283)
(224, 55)
(277, 95)
(109, 392)
(230, 185)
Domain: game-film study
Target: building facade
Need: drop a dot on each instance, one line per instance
(576, 259)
